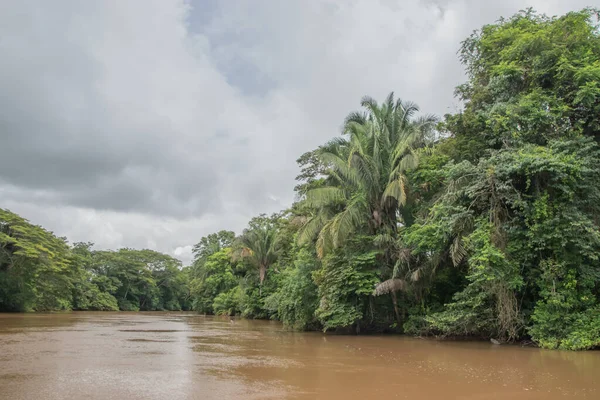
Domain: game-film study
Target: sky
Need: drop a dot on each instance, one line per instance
(152, 123)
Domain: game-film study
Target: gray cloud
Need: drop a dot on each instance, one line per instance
(103, 110)
(152, 123)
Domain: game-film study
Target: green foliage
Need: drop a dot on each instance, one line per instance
(88, 296)
(141, 279)
(228, 303)
(213, 277)
(34, 267)
(532, 79)
(252, 302)
(365, 180)
(471, 313)
(211, 244)
(527, 194)
(345, 283)
(233, 280)
(258, 244)
(40, 272)
(556, 326)
(312, 172)
(296, 300)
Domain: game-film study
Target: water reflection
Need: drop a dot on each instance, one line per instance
(186, 356)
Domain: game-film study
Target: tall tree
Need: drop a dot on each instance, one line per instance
(35, 267)
(211, 244)
(259, 244)
(519, 210)
(366, 183)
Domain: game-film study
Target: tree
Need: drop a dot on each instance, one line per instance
(518, 211)
(90, 291)
(217, 276)
(211, 244)
(296, 298)
(366, 184)
(140, 279)
(312, 172)
(35, 268)
(259, 244)
(532, 78)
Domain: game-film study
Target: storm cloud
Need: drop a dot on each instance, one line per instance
(150, 123)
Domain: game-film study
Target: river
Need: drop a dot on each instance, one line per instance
(172, 356)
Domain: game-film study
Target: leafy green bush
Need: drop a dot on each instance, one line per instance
(125, 305)
(228, 303)
(104, 302)
(295, 300)
(345, 282)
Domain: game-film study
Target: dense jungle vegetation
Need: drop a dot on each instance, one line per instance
(484, 223)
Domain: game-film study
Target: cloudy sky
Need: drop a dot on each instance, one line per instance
(151, 123)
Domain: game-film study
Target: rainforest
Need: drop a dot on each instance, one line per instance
(481, 224)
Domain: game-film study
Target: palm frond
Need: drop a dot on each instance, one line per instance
(389, 286)
(409, 109)
(370, 104)
(310, 229)
(409, 161)
(348, 220)
(384, 240)
(321, 197)
(458, 252)
(324, 241)
(367, 172)
(355, 118)
(341, 167)
(389, 101)
(427, 121)
(334, 146)
(396, 189)
(417, 274)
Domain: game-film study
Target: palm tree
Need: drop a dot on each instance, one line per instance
(259, 246)
(366, 185)
(366, 182)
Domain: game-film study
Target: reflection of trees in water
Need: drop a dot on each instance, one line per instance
(513, 366)
(314, 364)
(584, 364)
(36, 322)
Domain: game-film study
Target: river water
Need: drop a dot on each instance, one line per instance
(176, 356)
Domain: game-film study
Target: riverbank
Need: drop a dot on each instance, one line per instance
(237, 319)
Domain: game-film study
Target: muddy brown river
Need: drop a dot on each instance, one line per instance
(185, 356)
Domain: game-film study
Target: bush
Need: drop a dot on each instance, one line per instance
(295, 302)
(574, 331)
(227, 303)
(125, 305)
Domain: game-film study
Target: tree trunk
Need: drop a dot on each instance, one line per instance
(395, 301)
(262, 271)
(126, 291)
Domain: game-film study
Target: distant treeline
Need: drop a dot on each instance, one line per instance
(484, 223)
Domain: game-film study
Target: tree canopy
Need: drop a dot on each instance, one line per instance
(41, 272)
